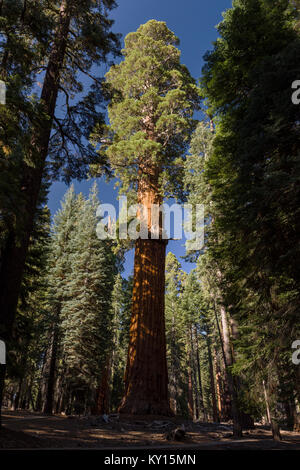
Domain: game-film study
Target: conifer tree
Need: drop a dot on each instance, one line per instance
(86, 314)
(61, 39)
(111, 389)
(175, 334)
(59, 266)
(26, 343)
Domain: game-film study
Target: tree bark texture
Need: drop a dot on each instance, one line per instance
(146, 376)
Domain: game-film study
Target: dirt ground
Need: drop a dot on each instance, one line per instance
(25, 430)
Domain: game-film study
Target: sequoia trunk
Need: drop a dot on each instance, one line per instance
(146, 377)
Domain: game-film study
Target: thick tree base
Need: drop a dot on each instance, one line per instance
(146, 377)
(144, 407)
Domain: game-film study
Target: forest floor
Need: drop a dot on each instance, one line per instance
(26, 430)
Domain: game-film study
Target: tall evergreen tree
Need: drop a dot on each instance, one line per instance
(59, 263)
(86, 313)
(175, 338)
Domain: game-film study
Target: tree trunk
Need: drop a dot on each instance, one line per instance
(201, 400)
(146, 376)
(16, 402)
(218, 384)
(190, 390)
(237, 428)
(212, 382)
(226, 398)
(14, 254)
(267, 403)
(275, 430)
(102, 395)
(50, 373)
(173, 369)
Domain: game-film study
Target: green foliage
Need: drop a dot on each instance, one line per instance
(121, 310)
(27, 30)
(28, 341)
(85, 315)
(175, 334)
(151, 109)
(252, 178)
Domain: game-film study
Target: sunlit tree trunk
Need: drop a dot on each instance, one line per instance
(225, 397)
(146, 376)
(218, 383)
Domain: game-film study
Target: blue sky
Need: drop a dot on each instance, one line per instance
(194, 23)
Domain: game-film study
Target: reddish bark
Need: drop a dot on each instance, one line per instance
(103, 395)
(236, 415)
(146, 378)
(218, 383)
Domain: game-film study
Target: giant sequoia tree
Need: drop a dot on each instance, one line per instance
(151, 118)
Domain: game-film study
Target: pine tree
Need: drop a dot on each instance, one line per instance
(175, 334)
(59, 267)
(117, 350)
(86, 314)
